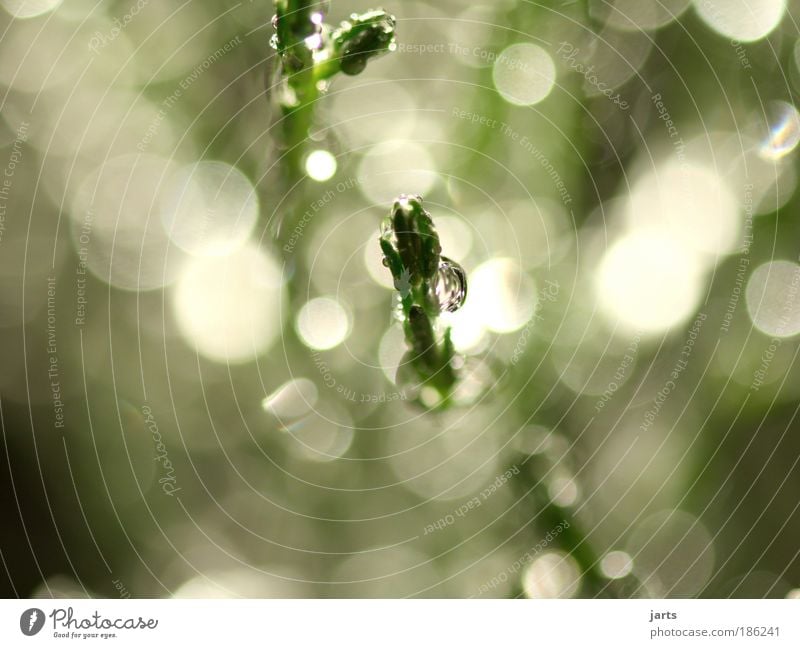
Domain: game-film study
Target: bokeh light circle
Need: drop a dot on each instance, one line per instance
(773, 298)
(229, 307)
(211, 210)
(553, 574)
(501, 296)
(323, 323)
(396, 167)
(673, 554)
(741, 20)
(524, 74)
(29, 8)
(646, 281)
(320, 165)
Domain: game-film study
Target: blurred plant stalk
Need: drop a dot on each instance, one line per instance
(311, 53)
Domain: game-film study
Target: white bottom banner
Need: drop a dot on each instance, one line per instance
(149, 622)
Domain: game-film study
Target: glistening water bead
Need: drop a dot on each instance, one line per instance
(450, 285)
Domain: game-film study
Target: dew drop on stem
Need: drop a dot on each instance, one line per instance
(450, 285)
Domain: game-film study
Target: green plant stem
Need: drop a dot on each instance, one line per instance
(311, 53)
(296, 90)
(572, 540)
(412, 252)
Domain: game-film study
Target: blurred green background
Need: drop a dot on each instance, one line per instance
(199, 399)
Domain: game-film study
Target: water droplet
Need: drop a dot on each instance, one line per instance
(784, 131)
(450, 285)
(275, 21)
(273, 41)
